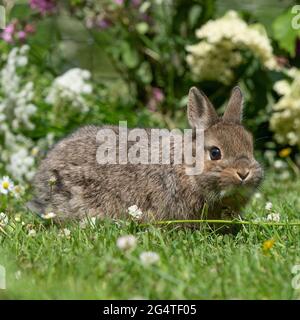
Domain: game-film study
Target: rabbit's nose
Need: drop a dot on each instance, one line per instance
(243, 174)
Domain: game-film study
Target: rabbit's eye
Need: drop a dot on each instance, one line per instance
(215, 153)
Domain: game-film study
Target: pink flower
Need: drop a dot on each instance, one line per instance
(43, 6)
(136, 3)
(29, 28)
(8, 32)
(119, 2)
(103, 23)
(22, 35)
(158, 94)
(156, 98)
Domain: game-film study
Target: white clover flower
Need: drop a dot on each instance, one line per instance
(269, 206)
(135, 212)
(273, 217)
(127, 242)
(31, 233)
(149, 258)
(88, 221)
(49, 215)
(17, 217)
(6, 185)
(279, 164)
(257, 196)
(65, 233)
(3, 219)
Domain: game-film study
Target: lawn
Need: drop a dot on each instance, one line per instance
(87, 264)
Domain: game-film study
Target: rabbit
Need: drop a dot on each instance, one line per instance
(72, 184)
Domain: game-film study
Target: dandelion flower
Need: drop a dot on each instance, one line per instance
(135, 212)
(273, 217)
(3, 219)
(6, 185)
(149, 258)
(268, 244)
(269, 206)
(285, 152)
(127, 242)
(49, 215)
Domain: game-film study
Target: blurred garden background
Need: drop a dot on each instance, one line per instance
(68, 63)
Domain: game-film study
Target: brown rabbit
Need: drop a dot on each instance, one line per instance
(71, 183)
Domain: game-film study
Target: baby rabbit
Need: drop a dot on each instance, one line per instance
(71, 183)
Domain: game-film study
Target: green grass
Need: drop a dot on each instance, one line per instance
(193, 264)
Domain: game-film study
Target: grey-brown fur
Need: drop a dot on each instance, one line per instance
(85, 188)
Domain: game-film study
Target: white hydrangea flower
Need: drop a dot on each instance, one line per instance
(273, 217)
(135, 212)
(285, 120)
(127, 242)
(71, 87)
(149, 258)
(222, 42)
(6, 185)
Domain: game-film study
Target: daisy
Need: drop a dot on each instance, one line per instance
(6, 185)
(149, 257)
(127, 242)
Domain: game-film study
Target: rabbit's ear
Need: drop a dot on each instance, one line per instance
(234, 109)
(201, 113)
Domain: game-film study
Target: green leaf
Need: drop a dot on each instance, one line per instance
(144, 73)
(194, 15)
(284, 32)
(129, 56)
